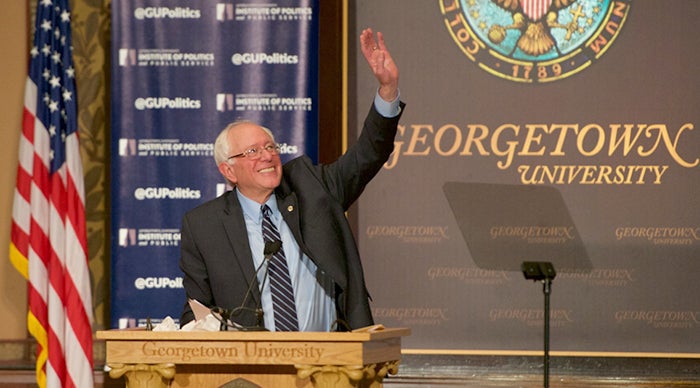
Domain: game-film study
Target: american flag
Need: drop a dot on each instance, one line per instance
(48, 242)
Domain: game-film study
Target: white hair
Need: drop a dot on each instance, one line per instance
(221, 145)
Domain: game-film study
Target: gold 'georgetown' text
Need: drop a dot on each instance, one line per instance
(510, 142)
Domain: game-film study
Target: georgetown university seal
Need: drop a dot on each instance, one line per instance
(534, 41)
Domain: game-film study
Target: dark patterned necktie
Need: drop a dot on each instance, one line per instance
(283, 306)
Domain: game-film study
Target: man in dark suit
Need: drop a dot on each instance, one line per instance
(222, 241)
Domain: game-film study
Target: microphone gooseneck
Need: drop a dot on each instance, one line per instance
(271, 248)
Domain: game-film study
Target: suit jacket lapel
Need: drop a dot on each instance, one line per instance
(234, 224)
(288, 206)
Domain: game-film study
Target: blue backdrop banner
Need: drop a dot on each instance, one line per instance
(181, 71)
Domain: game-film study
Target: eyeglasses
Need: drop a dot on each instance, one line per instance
(255, 152)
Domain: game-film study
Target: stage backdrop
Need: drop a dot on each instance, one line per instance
(574, 123)
(181, 71)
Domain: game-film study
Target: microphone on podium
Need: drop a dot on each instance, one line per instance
(271, 247)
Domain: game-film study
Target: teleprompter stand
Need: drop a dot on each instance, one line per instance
(543, 272)
(513, 227)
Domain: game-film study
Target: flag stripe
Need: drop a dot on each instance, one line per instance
(535, 9)
(19, 233)
(48, 235)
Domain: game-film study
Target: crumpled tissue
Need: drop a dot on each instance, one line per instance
(208, 323)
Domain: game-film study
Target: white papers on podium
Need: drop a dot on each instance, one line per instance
(200, 311)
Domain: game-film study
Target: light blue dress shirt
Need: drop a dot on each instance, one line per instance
(387, 109)
(313, 291)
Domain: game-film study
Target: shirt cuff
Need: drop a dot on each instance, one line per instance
(387, 109)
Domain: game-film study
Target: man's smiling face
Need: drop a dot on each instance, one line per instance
(255, 177)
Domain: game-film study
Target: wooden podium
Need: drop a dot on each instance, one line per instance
(252, 359)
